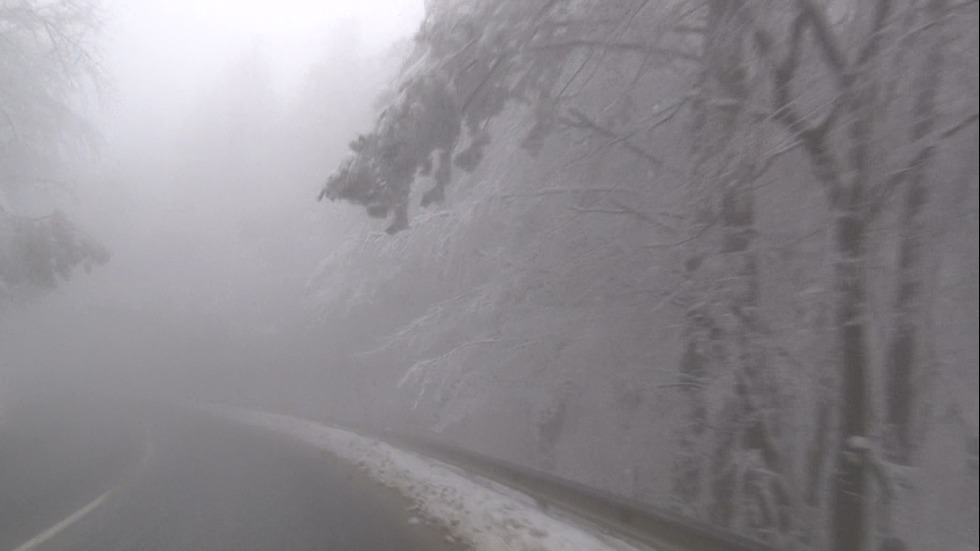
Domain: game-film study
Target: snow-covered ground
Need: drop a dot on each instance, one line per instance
(476, 511)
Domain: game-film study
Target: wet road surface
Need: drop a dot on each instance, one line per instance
(205, 484)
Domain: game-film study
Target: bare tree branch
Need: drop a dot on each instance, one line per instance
(813, 138)
(624, 209)
(623, 46)
(563, 191)
(829, 44)
(583, 121)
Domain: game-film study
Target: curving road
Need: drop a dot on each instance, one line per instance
(205, 484)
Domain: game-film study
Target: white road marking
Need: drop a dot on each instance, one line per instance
(78, 515)
(58, 528)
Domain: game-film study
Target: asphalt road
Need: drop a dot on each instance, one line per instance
(203, 484)
(53, 460)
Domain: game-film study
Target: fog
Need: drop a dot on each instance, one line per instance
(711, 258)
(217, 122)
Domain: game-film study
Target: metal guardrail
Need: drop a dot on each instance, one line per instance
(615, 515)
(658, 528)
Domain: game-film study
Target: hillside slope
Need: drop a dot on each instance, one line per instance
(667, 251)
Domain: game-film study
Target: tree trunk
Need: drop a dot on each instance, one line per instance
(728, 323)
(851, 493)
(817, 454)
(904, 349)
(687, 483)
(852, 497)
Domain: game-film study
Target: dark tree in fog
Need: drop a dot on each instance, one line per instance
(49, 73)
(460, 77)
(852, 156)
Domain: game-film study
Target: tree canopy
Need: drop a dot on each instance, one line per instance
(772, 180)
(469, 62)
(49, 74)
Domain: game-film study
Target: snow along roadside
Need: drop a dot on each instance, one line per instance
(476, 511)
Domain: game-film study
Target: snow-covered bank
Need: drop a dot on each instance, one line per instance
(476, 511)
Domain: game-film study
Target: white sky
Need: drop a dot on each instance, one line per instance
(162, 52)
(297, 15)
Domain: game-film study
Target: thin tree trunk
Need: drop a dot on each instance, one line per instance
(851, 492)
(726, 90)
(725, 138)
(852, 497)
(687, 484)
(904, 349)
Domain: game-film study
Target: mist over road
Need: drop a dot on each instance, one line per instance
(56, 459)
(208, 484)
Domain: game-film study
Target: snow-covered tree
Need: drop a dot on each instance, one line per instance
(771, 176)
(49, 70)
